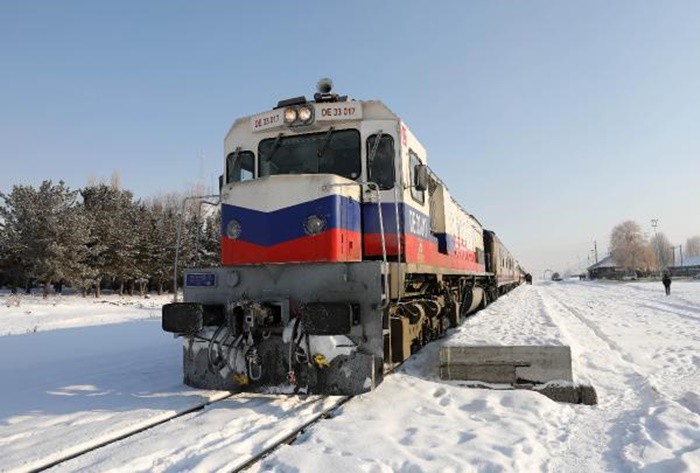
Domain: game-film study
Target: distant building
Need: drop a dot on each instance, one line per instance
(606, 268)
(690, 267)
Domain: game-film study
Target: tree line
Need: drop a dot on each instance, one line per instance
(632, 250)
(100, 237)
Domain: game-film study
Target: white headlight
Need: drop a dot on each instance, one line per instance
(314, 225)
(290, 115)
(233, 229)
(304, 114)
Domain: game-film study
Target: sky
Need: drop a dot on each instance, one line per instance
(550, 121)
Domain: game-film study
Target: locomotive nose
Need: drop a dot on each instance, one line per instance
(291, 218)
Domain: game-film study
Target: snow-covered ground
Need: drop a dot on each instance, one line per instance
(93, 369)
(22, 313)
(640, 349)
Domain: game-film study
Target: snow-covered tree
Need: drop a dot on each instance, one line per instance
(200, 231)
(164, 211)
(692, 246)
(662, 248)
(628, 246)
(210, 246)
(45, 233)
(112, 217)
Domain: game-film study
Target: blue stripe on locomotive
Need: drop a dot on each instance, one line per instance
(418, 223)
(271, 228)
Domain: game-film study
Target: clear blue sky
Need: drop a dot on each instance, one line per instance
(551, 121)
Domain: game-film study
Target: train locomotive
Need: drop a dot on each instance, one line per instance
(342, 254)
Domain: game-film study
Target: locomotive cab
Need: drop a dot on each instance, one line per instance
(297, 191)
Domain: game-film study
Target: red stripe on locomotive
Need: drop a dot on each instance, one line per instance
(330, 246)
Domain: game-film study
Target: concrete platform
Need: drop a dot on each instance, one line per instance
(506, 364)
(543, 369)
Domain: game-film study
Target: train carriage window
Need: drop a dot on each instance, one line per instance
(381, 168)
(240, 167)
(418, 196)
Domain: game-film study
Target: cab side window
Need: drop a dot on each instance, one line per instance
(380, 169)
(240, 166)
(418, 196)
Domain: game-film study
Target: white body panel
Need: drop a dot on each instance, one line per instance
(288, 191)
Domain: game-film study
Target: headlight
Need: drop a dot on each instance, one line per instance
(304, 114)
(314, 225)
(290, 115)
(233, 229)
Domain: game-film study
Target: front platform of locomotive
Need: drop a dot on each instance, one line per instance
(293, 304)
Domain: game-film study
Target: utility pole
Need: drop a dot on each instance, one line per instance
(680, 250)
(654, 224)
(595, 248)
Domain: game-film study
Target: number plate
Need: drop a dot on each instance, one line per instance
(265, 121)
(338, 111)
(200, 280)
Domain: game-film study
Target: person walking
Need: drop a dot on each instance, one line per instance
(666, 279)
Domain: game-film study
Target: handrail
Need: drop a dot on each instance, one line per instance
(398, 242)
(202, 200)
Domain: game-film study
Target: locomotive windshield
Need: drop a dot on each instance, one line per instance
(331, 152)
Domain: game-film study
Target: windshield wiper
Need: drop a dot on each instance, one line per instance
(375, 146)
(324, 143)
(275, 146)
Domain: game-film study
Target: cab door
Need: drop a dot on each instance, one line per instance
(380, 164)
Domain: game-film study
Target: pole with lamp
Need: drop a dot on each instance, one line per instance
(654, 224)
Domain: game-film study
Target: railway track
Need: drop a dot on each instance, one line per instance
(130, 433)
(289, 437)
(230, 432)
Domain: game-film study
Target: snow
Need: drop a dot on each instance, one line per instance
(329, 346)
(22, 313)
(64, 389)
(639, 348)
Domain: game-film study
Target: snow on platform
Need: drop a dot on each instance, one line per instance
(639, 348)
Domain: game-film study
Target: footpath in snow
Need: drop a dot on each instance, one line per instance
(639, 348)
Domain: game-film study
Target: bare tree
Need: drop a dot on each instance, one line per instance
(662, 248)
(692, 246)
(116, 180)
(628, 246)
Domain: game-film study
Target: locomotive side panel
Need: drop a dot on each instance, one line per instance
(437, 231)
